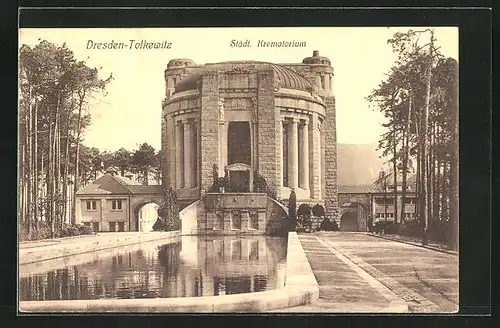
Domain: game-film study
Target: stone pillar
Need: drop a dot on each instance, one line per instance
(268, 129)
(316, 189)
(188, 155)
(209, 131)
(169, 154)
(330, 168)
(304, 156)
(222, 147)
(197, 155)
(179, 167)
(318, 80)
(293, 155)
(281, 162)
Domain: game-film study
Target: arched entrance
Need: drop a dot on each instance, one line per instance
(354, 217)
(146, 216)
(349, 221)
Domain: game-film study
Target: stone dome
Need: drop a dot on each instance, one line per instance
(286, 77)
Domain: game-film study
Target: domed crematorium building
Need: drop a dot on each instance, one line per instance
(250, 120)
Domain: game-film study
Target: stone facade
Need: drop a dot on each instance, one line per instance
(282, 115)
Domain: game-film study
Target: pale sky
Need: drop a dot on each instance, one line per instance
(131, 112)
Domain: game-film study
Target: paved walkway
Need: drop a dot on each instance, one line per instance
(344, 287)
(426, 280)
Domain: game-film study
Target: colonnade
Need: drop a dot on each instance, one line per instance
(186, 153)
(298, 153)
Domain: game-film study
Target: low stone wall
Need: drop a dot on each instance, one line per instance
(75, 246)
(301, 288)
(234, 214)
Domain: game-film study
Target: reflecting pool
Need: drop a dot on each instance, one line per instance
(188, 266)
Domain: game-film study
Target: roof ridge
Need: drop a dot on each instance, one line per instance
(123, 184)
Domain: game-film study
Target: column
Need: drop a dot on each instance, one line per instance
(222, 147)
(188, 155)
(282, 166)
(197, 141)
(318, 80)
(179, 167)
(293, 155)
(304, 156)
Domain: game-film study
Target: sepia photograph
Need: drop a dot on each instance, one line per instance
(238, 170)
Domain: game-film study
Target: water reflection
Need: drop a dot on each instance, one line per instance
(194, 266)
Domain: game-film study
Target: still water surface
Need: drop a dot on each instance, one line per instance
(190, 266)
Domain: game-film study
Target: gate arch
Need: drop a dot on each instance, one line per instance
(137, 212)
(354, 217)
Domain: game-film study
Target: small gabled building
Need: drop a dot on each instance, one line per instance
(114, 203)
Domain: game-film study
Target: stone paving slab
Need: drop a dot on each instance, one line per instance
(342, 287)
(426, 279)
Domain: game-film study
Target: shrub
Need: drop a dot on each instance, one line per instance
(260, 183)
(69, 230)
(304, 210)
(168, 213)
(84, 230)
(43, 231)
(380, 226)
(439, 231)
(304, 216)
(159, 225)
(327, 225)
(318, 210)
(393, 228)
(292, 205)
(411, 228)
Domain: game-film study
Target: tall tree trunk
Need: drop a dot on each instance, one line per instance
(385, 198)
(29, 160)
(437, 178)
(406, 133)
(417, 181)
(57, 161)
(59, 180)
(50, 181)
(444, 191)
(395, 177)
(425, 133)
(66, 165)
(77, 158)
(433, 172)
(429, 173)
(22, 186)
(35, 164)
(42, 186)
(454, 172)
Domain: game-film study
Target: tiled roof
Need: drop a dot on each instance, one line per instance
(113, 184)
(107, 184)
(355, 189)
(126, 181)
(152, 189)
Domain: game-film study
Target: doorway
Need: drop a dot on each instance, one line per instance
(147, 216)
(239, 143)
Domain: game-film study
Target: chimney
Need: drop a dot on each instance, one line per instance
(315, 53)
